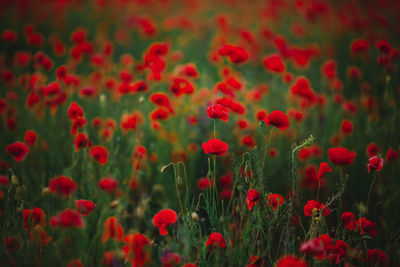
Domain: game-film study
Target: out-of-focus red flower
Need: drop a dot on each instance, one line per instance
(349, 220)
(163, 219)
(216, 240)
(162, 99)
(341, 156)
(252, 198)
(108, 184)
(359, 46)
(75, 263)
(30, 137)
(346, 127)
(218, 111)
(323, 168)
(376, 257)
(312, 205)
(100, 154)
(274, 63)
(215, 147)
(81, 141)
(338, 251)
(112, 230)
(84, 206)
(275, 200)
(75, 111)
(314, 247)
(365, 226)
(384, 47)
(329, 69)
(248, 141)
(278, 119)
(62, 185)
(67, 218)
(290, 261)
(18, 150)
(372, 150)
(392, 155)
(136, 251)
(204, 183)
(35, 216)
(375, 163)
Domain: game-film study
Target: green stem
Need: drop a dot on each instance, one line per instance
(369, 191)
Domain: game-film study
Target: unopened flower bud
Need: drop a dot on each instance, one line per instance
(195, 217)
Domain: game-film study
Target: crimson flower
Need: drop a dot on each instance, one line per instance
(312, 204)
(349, 220)
(341, 156)
(375, 163)
(18, 150)
(84, 206)
(278, 119)
(252, 198)
(275, 200)
(100, 154)
(274, 63)
(30, 137)
(135, 250)
(163, 219)
(67, 218)
(113, 230)
(108, 184)
(216, 240)
(290, 261)
(323, 168)
(62, 185)
(218, 111)
(365, 226)
(215, 147)
(376, 257)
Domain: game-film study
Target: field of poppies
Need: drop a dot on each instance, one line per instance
(199, 133)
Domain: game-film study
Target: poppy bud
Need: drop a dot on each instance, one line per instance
(195, 217)
(14, 180)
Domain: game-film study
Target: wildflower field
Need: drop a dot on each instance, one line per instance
(199, 133)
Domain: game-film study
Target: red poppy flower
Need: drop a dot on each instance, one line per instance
(163, 219)
(62, 185)
(18, 150)
(349, 220)
(204, 183)
(100, 154)
(215, 147)
(346, 127)
(372, 150)
(376, 257)
(252, 198)
(135, 250)
(274, 63)
(278, 119)
(108, 185)
(4, 181)
(275, 200)
(392, 155)
(30, 137)
(314, 247)
(33, 217)
(365, 226)
(67, 218)
(218, 111)
(312, 205)
(81, 141)
(216, 240)
(290, 261)
(375, 163)
(75, 111)
(338, 251)
(323, 168)
(341, 156)
(84, 206)
(113, 230)
(161, 99)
